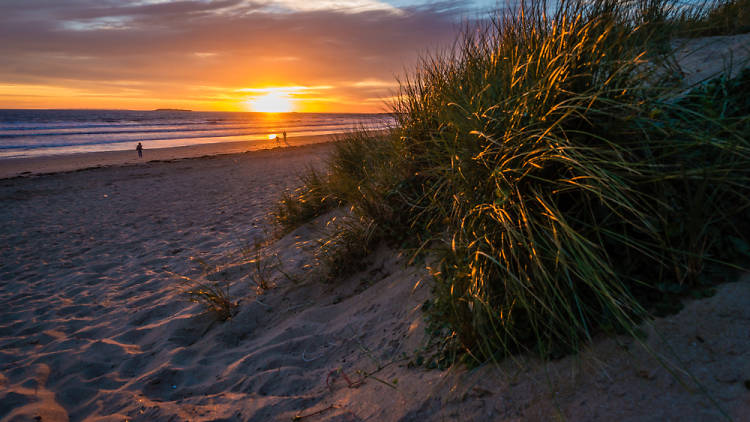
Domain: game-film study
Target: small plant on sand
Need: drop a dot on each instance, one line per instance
(305, 203)
(214, 297)
(261, 275)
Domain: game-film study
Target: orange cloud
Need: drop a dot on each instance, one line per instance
(333, 55)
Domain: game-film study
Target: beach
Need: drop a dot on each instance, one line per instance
(374, 211)
(86, 262)
(95, 325)
(11, 167)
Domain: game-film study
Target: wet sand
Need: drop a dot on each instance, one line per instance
(10, 167)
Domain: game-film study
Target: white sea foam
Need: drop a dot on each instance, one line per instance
(27, 133)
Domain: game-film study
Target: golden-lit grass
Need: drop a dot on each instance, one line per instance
(563, 187)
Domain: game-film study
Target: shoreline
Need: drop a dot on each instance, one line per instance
(37, 166)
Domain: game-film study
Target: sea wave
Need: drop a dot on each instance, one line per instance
(41, 132)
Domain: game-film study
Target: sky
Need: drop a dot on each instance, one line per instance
(223, 55)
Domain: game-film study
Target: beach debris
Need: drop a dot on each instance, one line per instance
(299, 417)
(339, 371)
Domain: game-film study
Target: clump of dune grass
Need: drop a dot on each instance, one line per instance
(364, 167)
(564, 182)
(572, 184)
(373, 174)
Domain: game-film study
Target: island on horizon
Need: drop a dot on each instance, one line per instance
(171, 109)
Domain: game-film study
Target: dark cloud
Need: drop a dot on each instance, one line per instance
(183, 8)
(228, 43)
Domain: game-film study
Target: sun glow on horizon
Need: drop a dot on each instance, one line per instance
(132, 95)
(273, 102)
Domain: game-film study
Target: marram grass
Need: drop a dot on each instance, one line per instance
(566, 184)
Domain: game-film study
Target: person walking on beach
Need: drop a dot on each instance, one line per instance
(285, 142)
(139, 148)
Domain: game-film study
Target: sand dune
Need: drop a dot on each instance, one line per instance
(94, 326)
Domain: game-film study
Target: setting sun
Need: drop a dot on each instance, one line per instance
(273, 102)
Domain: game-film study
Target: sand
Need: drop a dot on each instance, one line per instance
(95, 325)
(87, 303)
(702, 59)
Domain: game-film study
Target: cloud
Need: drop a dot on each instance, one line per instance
(284, 89)
(373, 83)
(169, 46)
(346, 6)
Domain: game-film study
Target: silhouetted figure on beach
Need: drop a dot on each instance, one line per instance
(285, 142)
(139, 148)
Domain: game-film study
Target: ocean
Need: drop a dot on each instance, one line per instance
(31, 133)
